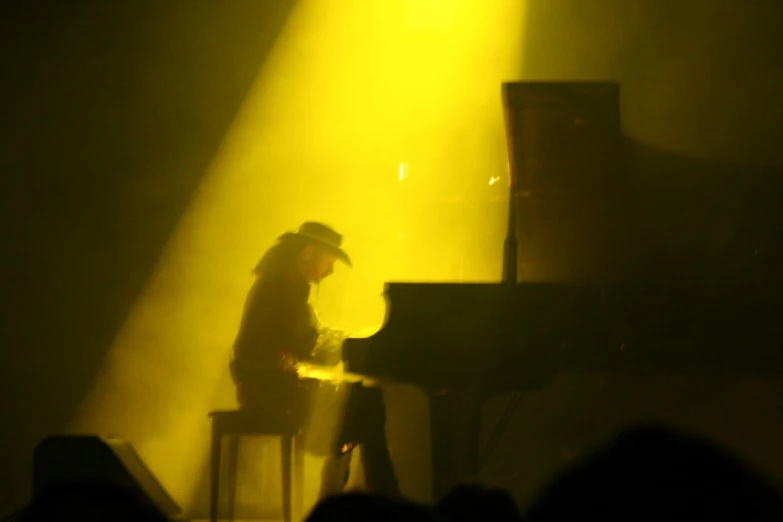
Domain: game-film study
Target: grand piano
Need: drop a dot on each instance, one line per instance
(567, 307)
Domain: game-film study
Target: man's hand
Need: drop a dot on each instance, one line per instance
(328, 349)
(288, 362)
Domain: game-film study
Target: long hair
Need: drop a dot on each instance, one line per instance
(281, 256)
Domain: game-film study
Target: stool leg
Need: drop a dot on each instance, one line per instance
(233, 471)
(299, 475)
(214, 472)
(285, 461)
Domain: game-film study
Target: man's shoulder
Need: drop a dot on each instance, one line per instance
(278, 287)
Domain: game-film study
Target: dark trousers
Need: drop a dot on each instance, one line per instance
(273, 393)
(364, 425)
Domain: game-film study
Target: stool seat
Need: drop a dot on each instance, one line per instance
(244, 422)
(280, 422)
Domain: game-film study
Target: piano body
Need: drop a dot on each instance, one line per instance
(465, 343)
(571, 299)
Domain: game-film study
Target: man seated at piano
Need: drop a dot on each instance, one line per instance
(280, 329)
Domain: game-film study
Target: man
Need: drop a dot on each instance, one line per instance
(280, 328)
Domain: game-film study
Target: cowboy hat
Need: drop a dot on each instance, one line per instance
(322, 236)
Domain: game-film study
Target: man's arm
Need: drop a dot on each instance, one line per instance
(329, 349)
(328, 346)
(275, 329)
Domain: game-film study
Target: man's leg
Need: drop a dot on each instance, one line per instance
(365, 424)
(334, 474)
(337, 465)
(379, 472)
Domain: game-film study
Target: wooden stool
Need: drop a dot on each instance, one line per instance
(237, 423)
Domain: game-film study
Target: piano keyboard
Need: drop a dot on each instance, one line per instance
(334, 374)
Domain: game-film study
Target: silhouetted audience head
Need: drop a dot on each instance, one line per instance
(90, 501)
(655, 474)
(361, 507)
(473, 503)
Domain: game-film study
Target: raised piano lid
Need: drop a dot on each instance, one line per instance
(498, 336)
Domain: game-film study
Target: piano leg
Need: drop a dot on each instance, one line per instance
(455, 424)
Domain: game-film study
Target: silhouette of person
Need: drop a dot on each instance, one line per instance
(279, 328)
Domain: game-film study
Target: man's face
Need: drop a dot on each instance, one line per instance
(317, 264)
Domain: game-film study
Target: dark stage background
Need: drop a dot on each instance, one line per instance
(111, 112)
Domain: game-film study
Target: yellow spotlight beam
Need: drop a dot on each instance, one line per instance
(357, 94)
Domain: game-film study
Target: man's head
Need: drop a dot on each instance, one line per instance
(321, 247)
(316, 263)
(312, 250)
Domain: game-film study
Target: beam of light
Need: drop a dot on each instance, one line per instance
(354, 91)
(402, 172)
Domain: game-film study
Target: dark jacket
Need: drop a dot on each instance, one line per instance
(277, 320)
